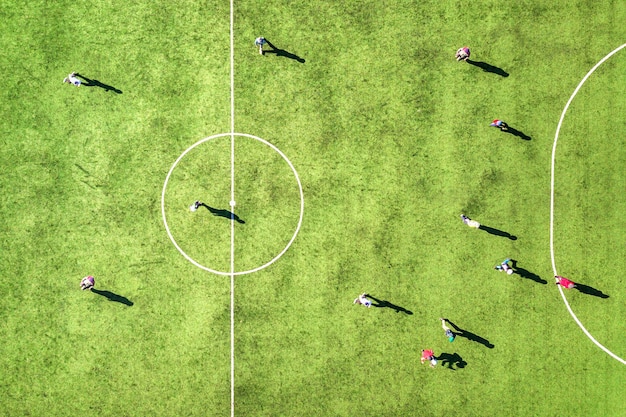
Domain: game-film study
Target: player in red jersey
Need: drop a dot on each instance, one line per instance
(564, 282)
(500, 125)
(429, 355)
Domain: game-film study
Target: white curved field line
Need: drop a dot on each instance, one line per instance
(189, 258)
(556, 138)
(232, 273)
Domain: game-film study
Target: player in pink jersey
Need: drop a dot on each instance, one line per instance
(429, 355)
(564, 282)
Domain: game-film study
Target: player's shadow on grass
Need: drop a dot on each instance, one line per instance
(113, 297)
(282, 52)
(223, 213)
(488, 68)
(470, 336)
(386, 304)
(586, 289)
(451, 360)
(517, 133)
(497, 232)
(95, 83)
(524, 273)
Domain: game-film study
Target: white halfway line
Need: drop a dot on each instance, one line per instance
(556, 138)
(232, 211)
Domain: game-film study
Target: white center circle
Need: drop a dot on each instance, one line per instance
(232, 204)
(556, 138)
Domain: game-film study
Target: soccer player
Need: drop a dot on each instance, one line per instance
(462, 54)
(87, 283)
(449, 333)
(429, 355)
(500, 125)
(195, 205)
(470, 222)
(564, 282)
(362, 299)
(260, 41)
(504, 267)
(72, 80)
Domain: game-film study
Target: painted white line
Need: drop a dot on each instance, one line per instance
(232, 66)
(232, 211)
(556, 138)
(189, 258)
(232, 272)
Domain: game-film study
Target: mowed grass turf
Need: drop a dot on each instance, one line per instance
(391, 140)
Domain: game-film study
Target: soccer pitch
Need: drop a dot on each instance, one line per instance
(335, 164)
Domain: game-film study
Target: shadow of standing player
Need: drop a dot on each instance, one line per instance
(95, 83)
(282, 52)
(470, 336)
(497, 232)
(452, 360)
(222, 213)
(382, 304)
(488, 68)
(586, 289)
(113, 297)
(517, 133)
(524, 273)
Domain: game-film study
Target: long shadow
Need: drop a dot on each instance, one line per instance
(452, 360)
(517, 133)
(586, 289)
(497, 232)
(387, 304)
(95, 83)
(113, 297)
(282, 52)
(524, 273)
(488, 68)
(471, 336)
(223, 213)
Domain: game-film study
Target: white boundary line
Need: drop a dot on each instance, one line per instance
(232, 209)
(556, 138)
(167, 227)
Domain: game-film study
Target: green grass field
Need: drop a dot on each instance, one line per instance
(390, 138)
